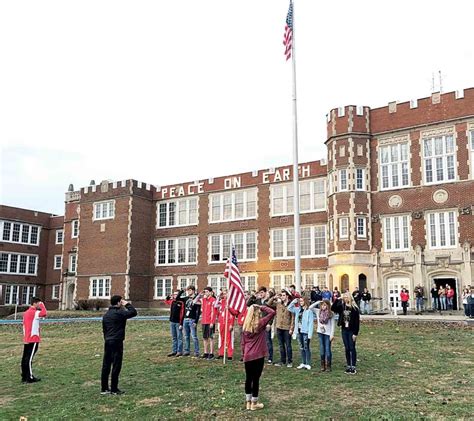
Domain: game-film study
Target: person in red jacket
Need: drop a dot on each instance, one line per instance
(255, 351)
(226, 331)
(208, 319)
(404, 297)
(31, 338)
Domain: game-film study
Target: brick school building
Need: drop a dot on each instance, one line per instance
(390, 206)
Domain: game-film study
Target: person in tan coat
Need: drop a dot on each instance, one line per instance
(285, 325)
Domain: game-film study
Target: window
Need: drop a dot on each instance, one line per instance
(312, 197)
(312, 240)
(99, 287)
(72, 263)
(442, 229)
(310, 279)
(343, 228)
(360, 179)
(176, 251)
(55, 292)
(58, 261)
(163, 287)
(394, 167)
(14, 232)
(12, 294)
(361, 230)
(104, 210)
(59, 236)
(233, 206)
(343, 180)
(177, 213)
(249, 282)
(27, 293)
(439, 159)
(185, 281)
(18, 264)
(245, 246)
(75, 228)
(217, 282)
(282, 280)
(396, 233)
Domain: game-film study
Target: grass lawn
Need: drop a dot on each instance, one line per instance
(405, 371)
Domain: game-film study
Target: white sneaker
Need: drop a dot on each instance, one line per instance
(289, 365)
(308, 367)
(301, 366)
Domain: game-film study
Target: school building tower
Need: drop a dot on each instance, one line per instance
(391, 206)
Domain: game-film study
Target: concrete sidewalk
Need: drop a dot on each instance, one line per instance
(451, 317)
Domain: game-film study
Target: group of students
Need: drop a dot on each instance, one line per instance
(286, 315)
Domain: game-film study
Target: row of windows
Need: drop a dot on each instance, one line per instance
(74, 232)
(18, 264)
(242, 204)
(16, 232)
(19, 294)
(183, 250)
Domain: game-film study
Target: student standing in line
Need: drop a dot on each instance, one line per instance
(176, 323)
(285, 325)
(404, 297)
(304, 324)
(366, 297)
(31, 338)
(261, 298)
(349, 320)
(326, 294)
(192, 312)
(326, 326)
(357, 295)
(113, 326)
(442, 297)
(449, 297)
(226, 330)
(419, 296)
(465, 294)
(436, 305)
(255, 351)
(208, 320)
(335, 294)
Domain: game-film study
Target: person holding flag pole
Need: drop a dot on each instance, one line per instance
(289, 43)
(235, 302)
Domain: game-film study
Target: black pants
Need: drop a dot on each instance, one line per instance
(113, 353)
(253, 371)
(29, 351)
(404, 306)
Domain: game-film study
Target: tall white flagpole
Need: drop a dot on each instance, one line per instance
(296, 190)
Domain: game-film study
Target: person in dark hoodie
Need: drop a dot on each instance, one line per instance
(192, 312)
(176, 322)
(113, 326)
(349, 320)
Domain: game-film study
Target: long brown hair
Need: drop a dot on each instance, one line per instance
(252, 319)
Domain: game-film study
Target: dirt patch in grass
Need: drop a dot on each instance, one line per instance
(105, 409)
(150, 401)
(5, 400)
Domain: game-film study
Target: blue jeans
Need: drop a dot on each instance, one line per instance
(419, 303)
(365, 307)
(270, 345)
(305, 348)
(177, 337)
(443, 303)
(284, 340)
(450, 303)
(325, 347)
(349, 345)
(190, 330)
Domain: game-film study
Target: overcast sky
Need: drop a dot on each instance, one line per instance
(172, 91)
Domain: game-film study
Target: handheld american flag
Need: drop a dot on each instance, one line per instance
(288, 36)
(236, 292)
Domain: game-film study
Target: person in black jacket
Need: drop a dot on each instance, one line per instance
(176, 322)
(192, 312)
(113, 326)
(349, 320)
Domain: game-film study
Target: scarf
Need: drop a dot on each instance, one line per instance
(323, 316)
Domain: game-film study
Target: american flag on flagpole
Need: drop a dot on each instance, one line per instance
(288, 36)
(236, 300)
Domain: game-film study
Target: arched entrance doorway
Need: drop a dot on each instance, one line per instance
(70, 296)
(362, 281)
(344, 283)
